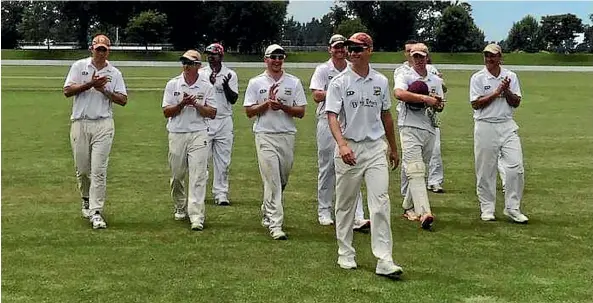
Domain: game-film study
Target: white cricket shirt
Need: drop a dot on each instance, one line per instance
(189, 120)
(483, 83)
(224, 107)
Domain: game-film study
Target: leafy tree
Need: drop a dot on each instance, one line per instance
(559, 31)
(587, 44)
(351, 26)
(41, 20)
(293, 31)
(147, 27)
(12, 14)
(456, 31)
(525, 35)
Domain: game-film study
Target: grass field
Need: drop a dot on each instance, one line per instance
(378, 57)
(50, 254)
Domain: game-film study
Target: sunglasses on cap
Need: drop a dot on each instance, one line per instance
(277, 56)
(356, 48)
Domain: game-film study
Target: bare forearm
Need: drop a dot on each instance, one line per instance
(334, 127)
(172, 110)
(512, 99)
(409, 97)
(484, 101)
(387, 120)
(118, 98)
(76, 89)
(206, 111)
(255, 110)
(294, 111)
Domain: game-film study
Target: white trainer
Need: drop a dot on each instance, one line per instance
(86, 212)
(197, 226)
(97, 221)
(222, 201)
(487, 217)
(361, 224)
(325, 220)
(278, 234)
(180, 215)
(265, 221)
(347, 262)
(516, 216)
(388, 269)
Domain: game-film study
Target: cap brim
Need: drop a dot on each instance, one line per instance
(355, 41)
(337, 42)
(100, 45)
(423, 54)
(491, 52)
(184, 58)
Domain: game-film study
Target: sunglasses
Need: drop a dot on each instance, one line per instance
(418, 56)
(277, 56)
(338, 46)
(190, 63)
(356, 48)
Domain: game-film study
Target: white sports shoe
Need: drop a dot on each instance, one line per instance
(278, 234)
(347, 262)
(516, 216)
(86, 212)
(361, 224)
(487, 217)
(97, 221)
(222, 201)
(325, 220)
(197, 226)
(265, 221)
(180, 215)
(388, 269)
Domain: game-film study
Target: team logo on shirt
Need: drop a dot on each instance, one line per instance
(376, 90)
(200, 96)
(219, 90)
(288, 91)
(263, 91)
(175, 94)
(433, 90)
(330, 77)
(354, 104)
(487, 86)
(85, 73)
(350, 93)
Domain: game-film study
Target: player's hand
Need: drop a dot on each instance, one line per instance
(504, 85)
(440, 104)
(226, 79)
(432, 100)
(347, 155)
(275, 104)
(188, 100)
(272, 92)
(98, 81)
(393, 160)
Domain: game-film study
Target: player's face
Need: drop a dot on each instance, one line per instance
(338, 51)
(100, 53)
(359, 54)
(190, 66)
(492, 60)
(419, 61)
(214, 58)
(274, 62)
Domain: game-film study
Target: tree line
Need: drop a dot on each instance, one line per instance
(247, 27)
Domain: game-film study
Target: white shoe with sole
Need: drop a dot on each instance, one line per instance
(325, 220)
(347, 262)
(487, 217)
(361, 224)
(180, 215)
(97, 221)
(388, 269)
(278, 234)
(197, 226)
(516, 216)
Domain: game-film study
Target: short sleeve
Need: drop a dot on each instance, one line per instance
(334, 98)
(168, 97)
(234, 82)
(73, 76)
(250, 94)
(119, 86)
(400, 82)
(317, 80)
(300, 99)
(386, 98)
(475, 90)
(515, 85)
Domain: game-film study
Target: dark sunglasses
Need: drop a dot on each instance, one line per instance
(277, 56)
(190, 63)
(356, 48)
(338, 46)
(418, 56)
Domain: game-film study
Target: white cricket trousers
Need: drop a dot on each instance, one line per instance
(188, 152)
(417, 146)
(91, 142)
(371, 165)
(220, 131)
(326, 179)
(491, 141)
(436, 174)
(275, 154)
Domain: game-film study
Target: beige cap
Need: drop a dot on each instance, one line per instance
(335, 39)
(274, 48)
(420, 49)
(492, 48)
(191, 55)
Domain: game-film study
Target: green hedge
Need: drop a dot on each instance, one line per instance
(379, 57)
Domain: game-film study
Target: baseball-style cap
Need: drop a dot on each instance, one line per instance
(420, 49)
(214, 48)
(191, 55)
(274, 49)
(492, 48)
(361, 38)
(335, 39)
(101, 40)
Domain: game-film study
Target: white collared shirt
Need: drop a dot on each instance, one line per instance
(412, 117)
(359, 102)
(483, 83)
(290, 92)
(323, 74)
(224, 108)
(189, 120)
(92, 104)
(405, 67)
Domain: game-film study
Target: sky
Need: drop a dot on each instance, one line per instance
(495, 18)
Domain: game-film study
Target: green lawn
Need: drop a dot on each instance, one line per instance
(379, 57)
(50, 254)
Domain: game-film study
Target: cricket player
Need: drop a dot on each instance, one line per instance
(326, 145)
(357, 107)
(274, 98)
(417, 132)
(220, 129)
(435, 177)
(494, 94)
(95, 85)
(188, 100)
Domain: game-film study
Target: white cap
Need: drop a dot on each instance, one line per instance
(274, 48)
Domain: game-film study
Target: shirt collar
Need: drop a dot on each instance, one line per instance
(183, 83)
(223, 69)
(490, 76)
(89, 62)
(357, 77)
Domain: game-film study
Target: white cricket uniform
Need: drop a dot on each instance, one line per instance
(496, 139)
(92, 129)
(274, 139)
(435, 167)
(221, 130)
(188, 145)
(417, 135)
(359, 103)
(326, 145)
